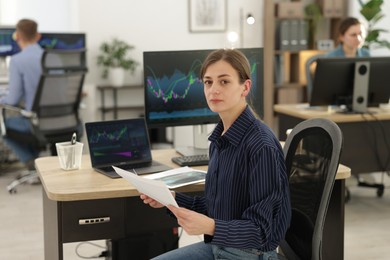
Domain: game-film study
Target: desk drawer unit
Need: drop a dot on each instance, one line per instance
(93, 219)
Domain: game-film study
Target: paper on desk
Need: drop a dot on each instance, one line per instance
(152, 188)
(179, 177)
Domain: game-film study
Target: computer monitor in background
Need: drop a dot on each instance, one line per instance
(356, 83)
(8, 46)
(174, 92)
(58, 41)
(62, 41)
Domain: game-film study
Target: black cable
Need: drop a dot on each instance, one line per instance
(178, 236)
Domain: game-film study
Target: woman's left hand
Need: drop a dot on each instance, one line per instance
(193, 222)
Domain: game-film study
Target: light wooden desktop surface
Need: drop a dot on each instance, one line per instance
(87, 184)
(303, 111)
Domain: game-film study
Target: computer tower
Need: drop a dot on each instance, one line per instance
(143, 246)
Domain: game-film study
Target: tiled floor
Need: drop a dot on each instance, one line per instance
(21, 224)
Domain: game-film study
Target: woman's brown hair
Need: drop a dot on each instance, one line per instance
(232, 56)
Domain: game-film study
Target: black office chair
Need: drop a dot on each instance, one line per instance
(312, 153)
(55, 112)
(309, 71)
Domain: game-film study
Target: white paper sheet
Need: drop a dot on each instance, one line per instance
(179, 177)
(153, 188)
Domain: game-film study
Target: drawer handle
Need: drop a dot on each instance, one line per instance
(90, 221)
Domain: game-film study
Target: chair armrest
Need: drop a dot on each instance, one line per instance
(4, 107)
(19, 110)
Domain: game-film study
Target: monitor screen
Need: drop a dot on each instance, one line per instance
(334, 82)
(62, 41)
(8, 46)
(174, 93)
(58, 41)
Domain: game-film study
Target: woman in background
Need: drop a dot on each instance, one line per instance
(245, 211)
(351, 38)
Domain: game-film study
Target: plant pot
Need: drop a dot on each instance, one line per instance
(116, 77)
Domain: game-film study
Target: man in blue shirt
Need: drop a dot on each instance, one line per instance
(24, 74)
(246, 208)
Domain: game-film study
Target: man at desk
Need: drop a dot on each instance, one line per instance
(24, 74)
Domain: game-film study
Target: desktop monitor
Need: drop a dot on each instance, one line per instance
(8, 46)
(58, 41)
(174, 92)
(356, 83)
(62, 41)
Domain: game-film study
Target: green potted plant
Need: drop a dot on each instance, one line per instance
(372, 12)
(313, 15)
(115, 61)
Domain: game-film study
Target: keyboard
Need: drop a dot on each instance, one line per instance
(192, 160)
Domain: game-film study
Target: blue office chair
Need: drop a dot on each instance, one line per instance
(312, 153)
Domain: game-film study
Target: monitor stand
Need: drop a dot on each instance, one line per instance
(200, 142)
(360, 87)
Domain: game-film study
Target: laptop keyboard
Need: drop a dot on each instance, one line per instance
(124, 167)
(192, 160)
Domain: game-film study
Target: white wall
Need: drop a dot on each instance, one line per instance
(146, 24)
(156, 25)
(58, 15)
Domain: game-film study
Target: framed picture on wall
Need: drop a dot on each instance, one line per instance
(207, 15)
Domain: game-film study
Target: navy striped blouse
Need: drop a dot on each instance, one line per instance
(246, 190)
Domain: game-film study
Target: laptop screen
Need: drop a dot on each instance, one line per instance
(118, 141)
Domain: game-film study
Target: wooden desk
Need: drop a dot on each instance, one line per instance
(364, 145)
(71, 196)
(85, 194)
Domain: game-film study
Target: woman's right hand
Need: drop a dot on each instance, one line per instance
(153, 203)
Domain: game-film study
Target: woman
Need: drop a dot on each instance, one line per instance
(246, 207)
(351, 38)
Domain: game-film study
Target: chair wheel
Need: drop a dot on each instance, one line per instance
(12, 191)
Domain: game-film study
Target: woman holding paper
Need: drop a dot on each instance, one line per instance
(246, 208)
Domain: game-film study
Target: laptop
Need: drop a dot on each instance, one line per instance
(122, 143)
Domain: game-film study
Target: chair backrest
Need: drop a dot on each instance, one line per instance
(58, 96)
(312, 153)
(310, 62)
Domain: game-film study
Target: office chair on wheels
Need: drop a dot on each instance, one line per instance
(312, 153)
(55, 112)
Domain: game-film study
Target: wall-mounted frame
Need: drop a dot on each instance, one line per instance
(207, 15)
